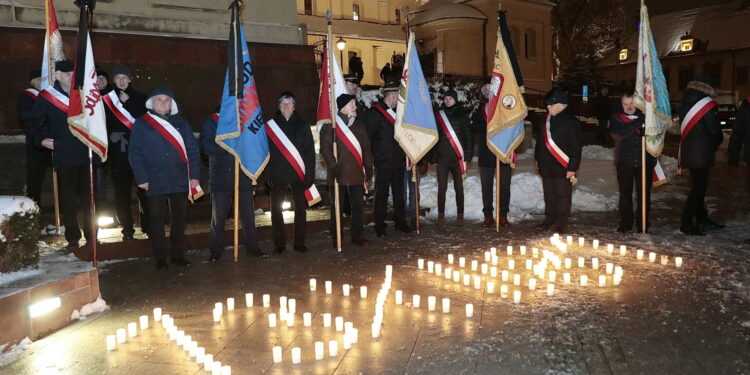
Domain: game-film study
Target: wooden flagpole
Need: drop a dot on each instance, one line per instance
(332, 105)
(643, 182)
(497, 194)
(51, 81)
(235, 19)
(416, 195)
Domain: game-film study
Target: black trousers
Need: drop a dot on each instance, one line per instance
(487, 179)
(628, 177)
(157, 209)
(558, 199)
(389, 178)
(695, 209)
(278, 195)
(123, 182)
(38, 161)
(458, 186)
(75, 193)
(221, 205)
(356, 205)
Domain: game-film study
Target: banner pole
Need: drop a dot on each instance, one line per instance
(236, 202)
(643, 183)
(416, 196)
(92, 208)
(497, 194)
(332, 101)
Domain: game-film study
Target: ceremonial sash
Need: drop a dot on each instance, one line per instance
(282, 142)
(390, 115)
(31, 93)
(694, 115)
(486, 114)
(658, 176)
(453, 139)
(555, 150)
(351, 142)
(115, 105)
(55, 97)
(170, 133)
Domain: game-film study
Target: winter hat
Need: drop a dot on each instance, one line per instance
(64, 66)
(122, 69)
(101, 72)
(344, 99)
(390, 86)
(452, 93)
(556, 96)
(35, 74)
(162, 90)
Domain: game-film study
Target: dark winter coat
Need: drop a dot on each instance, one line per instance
(156, 161)
(385, 149)
(628, 139)
(699, 147)
(350, 174)
(25, 110)
(487, 158)
(118, 133)
(279, 170)
(602, 107)
(47, 121)
(740, 133)
(220, 161)
(566, 132)
(442, 152)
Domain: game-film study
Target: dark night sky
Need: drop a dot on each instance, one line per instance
(666, 6)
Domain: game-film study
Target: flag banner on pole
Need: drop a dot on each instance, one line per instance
(651, 93)
(415, 129)
(506, 109)
(53, 46)
(86, 117)
(339, 87)
(243, 137)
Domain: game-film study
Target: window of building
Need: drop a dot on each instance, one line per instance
(713, 69)
(398, 16)
(355, 12)
(308, 7)
(515, 38)
(685, 75)
(742, 75)
(529, 44)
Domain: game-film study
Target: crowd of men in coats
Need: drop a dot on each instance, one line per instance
(152, 150)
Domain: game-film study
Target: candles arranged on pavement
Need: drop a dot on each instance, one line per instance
(266, 300)
(313, 285)
(296, 355)
(157, 314)
(678, 262)
(446, 305)
(111, 342)
(230, 304)
(143, 320)
(469, 310)
(249, 299)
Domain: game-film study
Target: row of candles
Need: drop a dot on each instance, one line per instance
(561, 245)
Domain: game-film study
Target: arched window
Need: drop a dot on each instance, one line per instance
(529, 44)
(355, 12)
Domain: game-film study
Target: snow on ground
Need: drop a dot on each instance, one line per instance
(90, 308)
(10, 277)
(10, 205)
(8, 352)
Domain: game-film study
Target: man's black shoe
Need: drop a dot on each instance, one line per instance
(301, 248)
(180, 261)
(279, 250)
(709, 224)
(691, 230)
(545, 225)
(214, 258)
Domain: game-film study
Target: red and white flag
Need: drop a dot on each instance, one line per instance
(339, 87)
(53, 46)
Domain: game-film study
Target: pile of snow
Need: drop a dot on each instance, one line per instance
(10, 277)
(90, 308)
(8, 352)
(10, 205)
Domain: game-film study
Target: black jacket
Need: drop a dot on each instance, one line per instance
(118, 133)
(25, 109)
(220, 161)
(628, 139)
(699, 146)
(47, 121)
(740, 133)
(442, 152)
(566, 132)
(602, 107)
(487, 158)
(385, 149)
(278, 170)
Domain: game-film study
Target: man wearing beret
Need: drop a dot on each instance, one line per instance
(558, 157)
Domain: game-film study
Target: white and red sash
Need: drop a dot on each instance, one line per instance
(694, 115)
(351, 142)
(282, 142)
(452, 138)
(390, 115)
(553, 148)
(658, 176)
(31, 93)
(486, 114)
(57, 98)
(170, 133)
(115, 105)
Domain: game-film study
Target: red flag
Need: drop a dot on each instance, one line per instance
(324, 104)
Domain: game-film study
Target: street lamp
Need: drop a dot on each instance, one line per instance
(341, 44)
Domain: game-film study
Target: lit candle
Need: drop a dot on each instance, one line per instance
(208, 361)
(595, 244)
(375, 330)
(569, 239)
(266, 300)
(420, 263)
(639, 254)
(283, 312)
(550, 290)
(664, 260)
(363, 292)
(438, 269)
(272, 320)
(431, 300)
(493, 271)
(111, 342)
(516, 296)
(602, 280)
(584, 280)
(529, 264)
(511, 264)
(292, 305)
(487, 256)
(121, 336)
(609, 267)
(509, 250)
(132, 330)
(568, 263)
(430, 266)
(415, 301)
(535, 252)
(446, 305)
(226, 370)
(166, 321)
(450, 258)
(474, 265)
(230, 304)
(448, 273)
(399, 297)
(618, 270)
(493, 250)
(678, 262)
(581, 241)
(617, 279)
(200, 355)
(566, 278)
(595, 263)
(504, 275)
(219, 306)
(467, 279)
(477, 282)
(143, 320)
(157, 314)
(296, 355)
(532, 284)
(348, 326)
(326, 320)
(456, 276)
(319, 350)
(248, 299)
(552, 276)
(333, 348)
(490, 287)
(216, 368)
(623, 250)
(485, 268)
(461, 262)
(581, 262)
(610, 248)
(347, 342)
(388, 271)
(290, 319)
(313, 285)
(339, 324)
(329, 287)
(469, 310)
(503, 291)
(523, 250)
(516, 279)
(652, 257)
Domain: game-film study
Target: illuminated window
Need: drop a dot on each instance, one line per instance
(686, 45)
(355, 12)
(623, 54)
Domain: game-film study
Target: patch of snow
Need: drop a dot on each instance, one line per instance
(10, 205)
(8, 352)
(90, 308)
(4, 139)
(10, 277)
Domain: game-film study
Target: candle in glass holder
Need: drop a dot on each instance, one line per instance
(535, 252)
(111, 342)
(678, 262)
(617, 279)
(504, 275)
(467, 279)
(552, 276)
(333, 348)
(602, 280)
(493, 271)
(485, 268)
(522, 249)
(290, 319)
(143, 320)
(581, 262)
(446, 305)
(639, 254)
(363, 292)
(375, 330)
(347, 342)
(456, 276)
(469, 310)
(568, 263)
(550, 290)
(326, 320)
(208, 360)
(283, 312)
(122, 336)
(345, 289)
(292, 305)
(623, 250)
(217, 315)
(569, 239)
(511, 264)
(595, 263)
(430, 266)
(490, 287)
(415, 301)
(477, 282)
(609, 267)
(474, 265)
(516, 279)
(431, 301)
(516, 296)
(296, 355)
(487, 256)
(509, 250)
(581, 241)
(132, 330)
(448, 273)
(584, 280)
(248, 299)
(595, 244)
(664, 260)
(313, 285)
(230, 304)
(329, 287)
(339, 323)
(200, 355)
(157, 314)
(618, 270)
(652, 257)
(272, 320)
(503, 291)
(450, 258)
(438, 269)
(420, 263)
(266, 300)
(532, 284)
(566, 278)
(319, 350)
(461, 262)
(529, 264)
(399, 297)
(610, 248)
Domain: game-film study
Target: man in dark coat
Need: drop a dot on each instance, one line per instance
(558, 157)
(355, 67)
(603, 111)
(281, 176)
(38, 159)
(741, 139)
(487, 163)
(627, 131)
(698, 147)
(351, 176)
(390, 160)
(445, 156)
(167, 172)
(49, 121)
(221, 184)
(121, 105)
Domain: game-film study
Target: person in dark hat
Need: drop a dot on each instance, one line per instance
(38, 159)
(102, 80)
(700, 138)
(353, 146)
(49, 123)
(282, 176)
(166, 170)
(122, 104)
(452, 153)
(558, 157)
(389, 159)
